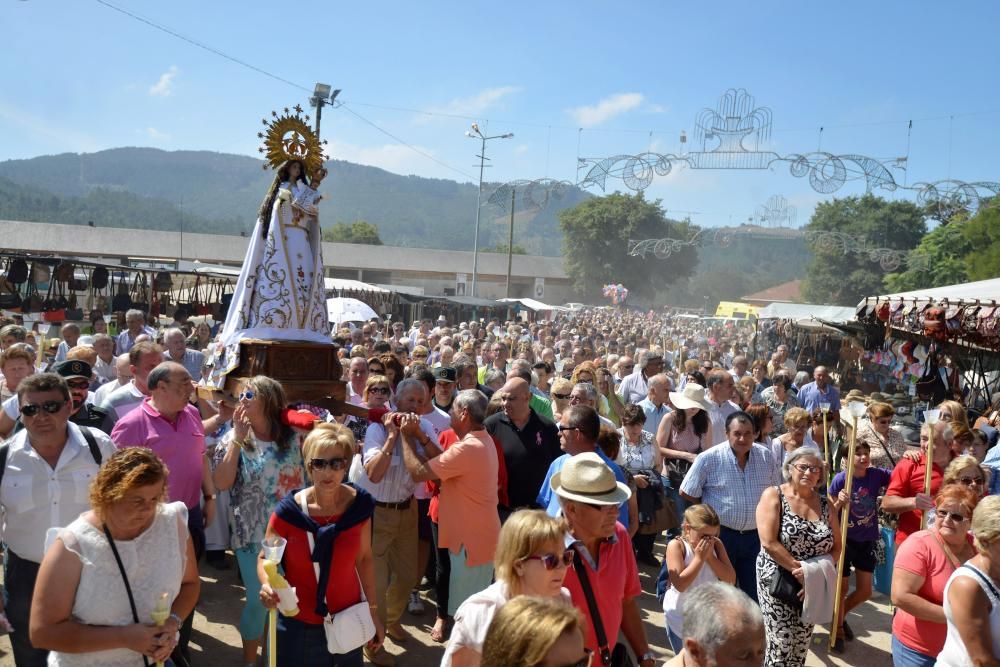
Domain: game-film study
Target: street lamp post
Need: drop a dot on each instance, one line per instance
(319, 100)
(476, 133)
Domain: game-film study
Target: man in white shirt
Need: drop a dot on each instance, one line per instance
(46, 473)
(123, 375)
(720, 390)
(104, 367)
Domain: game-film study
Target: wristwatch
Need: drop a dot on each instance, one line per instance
(647, 657)
(209, 496)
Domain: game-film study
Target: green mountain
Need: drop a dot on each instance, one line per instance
(220, 193)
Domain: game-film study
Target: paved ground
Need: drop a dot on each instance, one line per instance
(216, 639)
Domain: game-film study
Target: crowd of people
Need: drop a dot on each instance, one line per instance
(518, 474)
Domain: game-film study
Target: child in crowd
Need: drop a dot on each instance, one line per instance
(863, 532)
(696, 557)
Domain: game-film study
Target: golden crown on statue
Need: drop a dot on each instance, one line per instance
(289, 137)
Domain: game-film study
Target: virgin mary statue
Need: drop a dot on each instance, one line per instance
(280, 292)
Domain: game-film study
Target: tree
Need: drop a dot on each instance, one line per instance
(501, 249)
(595, 242)
(982, 231)
(939, 258)
(358, 231)
(837, 273)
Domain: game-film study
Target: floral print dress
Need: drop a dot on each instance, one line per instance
(266, 474)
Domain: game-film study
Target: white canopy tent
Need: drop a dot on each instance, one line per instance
(340, 284)
(982, 290)
(800, 311)
(536, 306)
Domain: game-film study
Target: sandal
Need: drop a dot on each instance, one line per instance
(441, 630)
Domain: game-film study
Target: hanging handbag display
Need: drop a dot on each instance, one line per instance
(349, 628)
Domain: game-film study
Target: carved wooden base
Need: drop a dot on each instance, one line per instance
(309, 372)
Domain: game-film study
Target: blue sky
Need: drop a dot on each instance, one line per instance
(81, 77)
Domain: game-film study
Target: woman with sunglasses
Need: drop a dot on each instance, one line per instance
(531, 559)
(923, 565)
(886, 444)
(260, 462)
(328, 556)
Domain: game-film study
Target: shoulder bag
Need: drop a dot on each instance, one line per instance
(619, 656)
(784, 586)
(128, 589)
(349, 628)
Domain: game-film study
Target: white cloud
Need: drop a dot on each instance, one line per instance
(391, 157)
(156, 135)
(471, 106)
(164, 86)
(606, 109)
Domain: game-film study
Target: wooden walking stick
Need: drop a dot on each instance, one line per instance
(931, 417)
(856, 409)
(825, 408)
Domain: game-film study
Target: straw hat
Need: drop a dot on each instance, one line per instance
(586, 478)
(854, 395)
(693, 396)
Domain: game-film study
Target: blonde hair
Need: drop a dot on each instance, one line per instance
(328, 434)
(880, 410)
(797, 417)
(960, 463)
(125, 470)
(701, 516)
(525, 630)
(957, 412)
(561, 386)
(522, 535)
(986, 522)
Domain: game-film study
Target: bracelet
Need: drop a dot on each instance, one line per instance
(180, 621)
(373, 606)
(209, 496)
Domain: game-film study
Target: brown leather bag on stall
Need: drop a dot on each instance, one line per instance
(934, 325)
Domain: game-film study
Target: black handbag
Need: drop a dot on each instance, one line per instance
(784, 586)
(617, 657)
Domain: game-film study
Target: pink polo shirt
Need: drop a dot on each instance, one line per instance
(179, 444)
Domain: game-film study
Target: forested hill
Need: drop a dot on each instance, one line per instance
(219, 193)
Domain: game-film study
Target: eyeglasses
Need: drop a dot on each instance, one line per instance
(972, 481)
(379, 390)
(333, 464)
(561, 397)
(567, 428)
(552, 561)
(247, 395)
(78, 384)
(805, 468)
(954, 516)
(50, 407)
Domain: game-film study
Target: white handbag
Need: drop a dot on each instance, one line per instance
(348, 628)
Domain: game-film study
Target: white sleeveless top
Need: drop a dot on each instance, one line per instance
(674, 599)
(954, 653)
(155, 563)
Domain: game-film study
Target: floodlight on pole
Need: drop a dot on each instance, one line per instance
(475, 133)
(321, 93)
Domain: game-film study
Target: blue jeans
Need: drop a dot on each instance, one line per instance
(904, 656)
(743, 548)
(305, 644)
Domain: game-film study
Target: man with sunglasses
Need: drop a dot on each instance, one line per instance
(46, 472)
(77, 375)
(590, 496)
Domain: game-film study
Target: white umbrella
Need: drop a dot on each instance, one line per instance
(342, 309)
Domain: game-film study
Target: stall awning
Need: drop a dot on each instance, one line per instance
(798, 311)
(344, 284)
(536, 306)
(982, 290)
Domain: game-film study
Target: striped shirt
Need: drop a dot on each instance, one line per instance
(397, 485)
(733, 492)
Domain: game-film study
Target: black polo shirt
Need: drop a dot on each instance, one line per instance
(527, 452)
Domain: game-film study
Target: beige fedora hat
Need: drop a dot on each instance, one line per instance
(586, 478)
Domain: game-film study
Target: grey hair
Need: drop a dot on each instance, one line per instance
(947, 433)
(19, 333)
(801, 377)
(716, 611)
(794, 456)
(409, 384)
(102, 336)
(132, 313)
(588, 388)
(645, 357)
(521, 363)
(172, 331)
(70, 326)
(475, 402)
(492, 375)
(162, 373)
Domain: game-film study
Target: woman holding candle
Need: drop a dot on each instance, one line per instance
(131, 544)
(259, 462)
(337, 516)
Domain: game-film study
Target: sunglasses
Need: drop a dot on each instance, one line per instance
(332, 464)
(78, 384)
(552, 561)
(566, 428)
(51, 407)
(972, 481)
(379, 390)
(561, 397)
(954, 516)
(247, 395)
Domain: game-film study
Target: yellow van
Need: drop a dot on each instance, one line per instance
(736, 310)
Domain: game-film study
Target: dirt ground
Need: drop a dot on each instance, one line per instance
(216, 639)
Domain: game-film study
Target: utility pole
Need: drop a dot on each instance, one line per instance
(510, 241)
(319, 100)
(476, 133)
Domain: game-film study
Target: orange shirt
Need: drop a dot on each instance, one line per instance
(468, 506)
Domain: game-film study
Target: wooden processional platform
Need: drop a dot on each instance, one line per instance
(309, 372)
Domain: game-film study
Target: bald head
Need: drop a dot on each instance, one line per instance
(515, 395)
